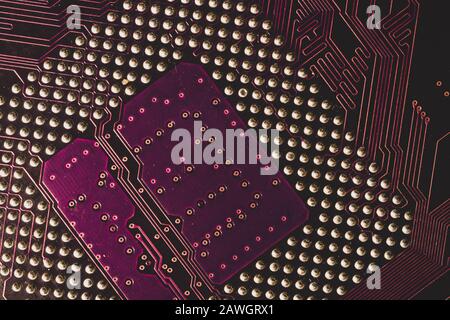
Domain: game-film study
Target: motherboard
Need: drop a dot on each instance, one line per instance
(118, 173)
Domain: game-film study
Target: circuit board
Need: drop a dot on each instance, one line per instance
(94, 205)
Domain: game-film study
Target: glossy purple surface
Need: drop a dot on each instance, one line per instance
(225, 231)
(72, 176)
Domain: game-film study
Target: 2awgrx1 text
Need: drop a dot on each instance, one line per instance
(231, 309)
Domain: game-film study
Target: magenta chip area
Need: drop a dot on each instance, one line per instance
(99, 210)
(231, 213)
